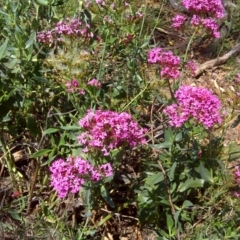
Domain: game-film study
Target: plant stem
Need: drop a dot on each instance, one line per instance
(189, 44)
(135, 98)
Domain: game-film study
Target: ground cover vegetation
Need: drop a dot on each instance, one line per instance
(107, 131)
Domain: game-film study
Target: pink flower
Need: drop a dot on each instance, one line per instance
(95, 82)
(194, 103)
(191, 66)
(168, 62)
(106, 130)
(196, 20)
(236, 194)
(178, 21)
(68, 176)
(69, 27)
(207, 7)
(211, 25)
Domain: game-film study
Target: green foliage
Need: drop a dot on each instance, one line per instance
(179, 184)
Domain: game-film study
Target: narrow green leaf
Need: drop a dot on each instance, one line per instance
(107, 197)
(190, 183)
(3, 48)
(169, 222)
(205, 173)
(42, 2)
(50, 130)
(172, 171)
(31, 40)
(15, 215)
(166, 144)
(40, 153)
(70, 128)
(176, 217)
(154, 179)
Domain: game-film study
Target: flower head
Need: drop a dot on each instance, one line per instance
(178, 21)
(197, 103)
(94, 82)
(168, 62)
(191, 67)
(106, 130)
(68, 176)
(207, 7)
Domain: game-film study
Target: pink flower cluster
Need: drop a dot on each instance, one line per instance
(168, 62)
(191, 67)
(68, 176)
(178, 21)
(95, 83)
(208, 23)
(201, 10)
(205, 7)
(73, 87)
(106, 130)
(197, 103)
(69, 27)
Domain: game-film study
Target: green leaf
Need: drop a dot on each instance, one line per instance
(31, 40)
(165, 144)
(35, 24)
(190, 183)
(186, 204)
(50, 130)
(70, 128)
(169, 222)
(176, 217)
(168, 135)
(15, 215)
(146, 42)
(41, 153)
(204, 173)
(154, 179)
(172, 171)
(107, 197)
(42, 2)
(3, 48)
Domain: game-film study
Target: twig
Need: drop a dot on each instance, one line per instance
(218, 60)
(119, 215)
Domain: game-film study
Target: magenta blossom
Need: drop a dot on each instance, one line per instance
(191, 67)
(68, 176)
(69, 27)
(194, 103)
(168, 62)
(95, 82)
(106, 130)
(73, 87)
(178, 21)
(205, 7)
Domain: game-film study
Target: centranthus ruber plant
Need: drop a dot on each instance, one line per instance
(107, 130)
